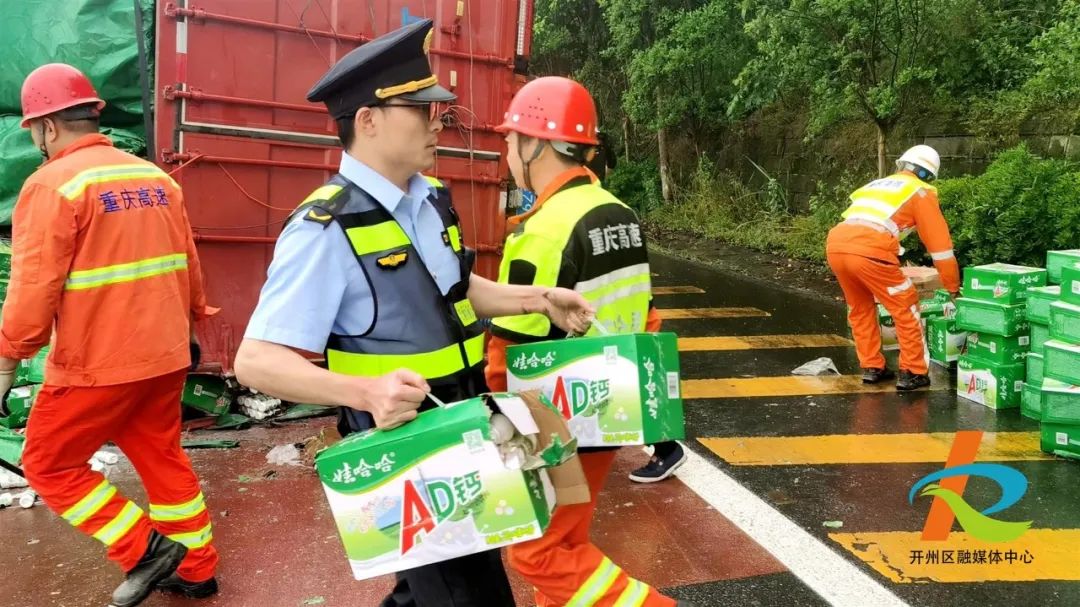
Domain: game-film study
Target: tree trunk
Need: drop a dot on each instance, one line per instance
(666, 188)
(882, 149)
(665, 170)
(626, 136)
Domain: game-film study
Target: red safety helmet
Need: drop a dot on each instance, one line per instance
(553, 108)
(54, 87)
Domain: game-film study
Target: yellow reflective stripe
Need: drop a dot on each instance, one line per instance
(586, 287)
(379, 237)
(873, 207)
(126, 272)
(454, 234)
(434, 182)
(880, 199)
(116, 528)
(634, 595)
(431, 365)
(120, 172)
(325, 192)
(194, 539)
(178, 512)
(534, 325)
(90, 505)
(596, 586)
(619, 288)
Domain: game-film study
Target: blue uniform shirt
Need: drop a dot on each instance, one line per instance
(315, 287)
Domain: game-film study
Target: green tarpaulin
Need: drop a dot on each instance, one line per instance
(96, 36)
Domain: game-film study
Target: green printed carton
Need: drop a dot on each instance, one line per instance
(32, 370)
(1065, 322)
(1035, 374)
(1070, 284)
(1031, 402)
(1056, 260)
(888, 329)
(1059, 439)
(15, 409)
(1061, 361)
(11, 446)
(1040, 334)
(996, 386)
(1060, 402)
(614, 390)
(939, 306)
(990, 317)
(945, 341)
(208, 393)
(438, 487)
(1039, 301)
(5, 261)
(1001, 283)
(998, 349)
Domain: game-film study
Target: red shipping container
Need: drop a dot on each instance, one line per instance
(233, 127)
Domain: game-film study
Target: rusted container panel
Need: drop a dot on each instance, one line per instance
(233, 126)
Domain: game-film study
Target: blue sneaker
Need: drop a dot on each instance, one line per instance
(666, 460)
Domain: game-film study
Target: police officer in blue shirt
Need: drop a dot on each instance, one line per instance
(371, 270)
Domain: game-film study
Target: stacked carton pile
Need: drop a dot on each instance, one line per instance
(1056, 398)
(993, 309)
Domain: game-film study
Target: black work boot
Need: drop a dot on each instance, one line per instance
(192, 590)
(876, 376)
(160, 560)
(911, 381)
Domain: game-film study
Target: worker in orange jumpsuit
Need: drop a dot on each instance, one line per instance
(551, 135)
(104, 264)
(864, 250)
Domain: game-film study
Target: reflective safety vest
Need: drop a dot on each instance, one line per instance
(877, 201)
(415, 326)
(585, 239)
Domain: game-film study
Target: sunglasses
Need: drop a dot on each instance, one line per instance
(434, 109)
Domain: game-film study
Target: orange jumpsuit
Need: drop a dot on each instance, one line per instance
(564, 563)
(104, 264)
(865, 259)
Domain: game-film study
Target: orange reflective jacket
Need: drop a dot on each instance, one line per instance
(105, 265)
(921, 213)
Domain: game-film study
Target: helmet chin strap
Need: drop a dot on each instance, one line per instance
(525, 163)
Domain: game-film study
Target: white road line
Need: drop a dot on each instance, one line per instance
(837, 580)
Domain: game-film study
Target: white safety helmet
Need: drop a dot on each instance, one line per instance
(924, 157)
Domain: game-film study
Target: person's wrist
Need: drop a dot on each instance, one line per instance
(351, 391)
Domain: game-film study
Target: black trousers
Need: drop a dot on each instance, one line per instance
(477, 580)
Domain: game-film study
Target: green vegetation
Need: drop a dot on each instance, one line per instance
(683, 84)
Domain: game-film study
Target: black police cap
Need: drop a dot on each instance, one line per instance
(395, 64)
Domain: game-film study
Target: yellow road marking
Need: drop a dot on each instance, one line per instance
(1051, 552)
(868, 448)
(676, 290)
(687, 313)
(793, 385)
(760, 342)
